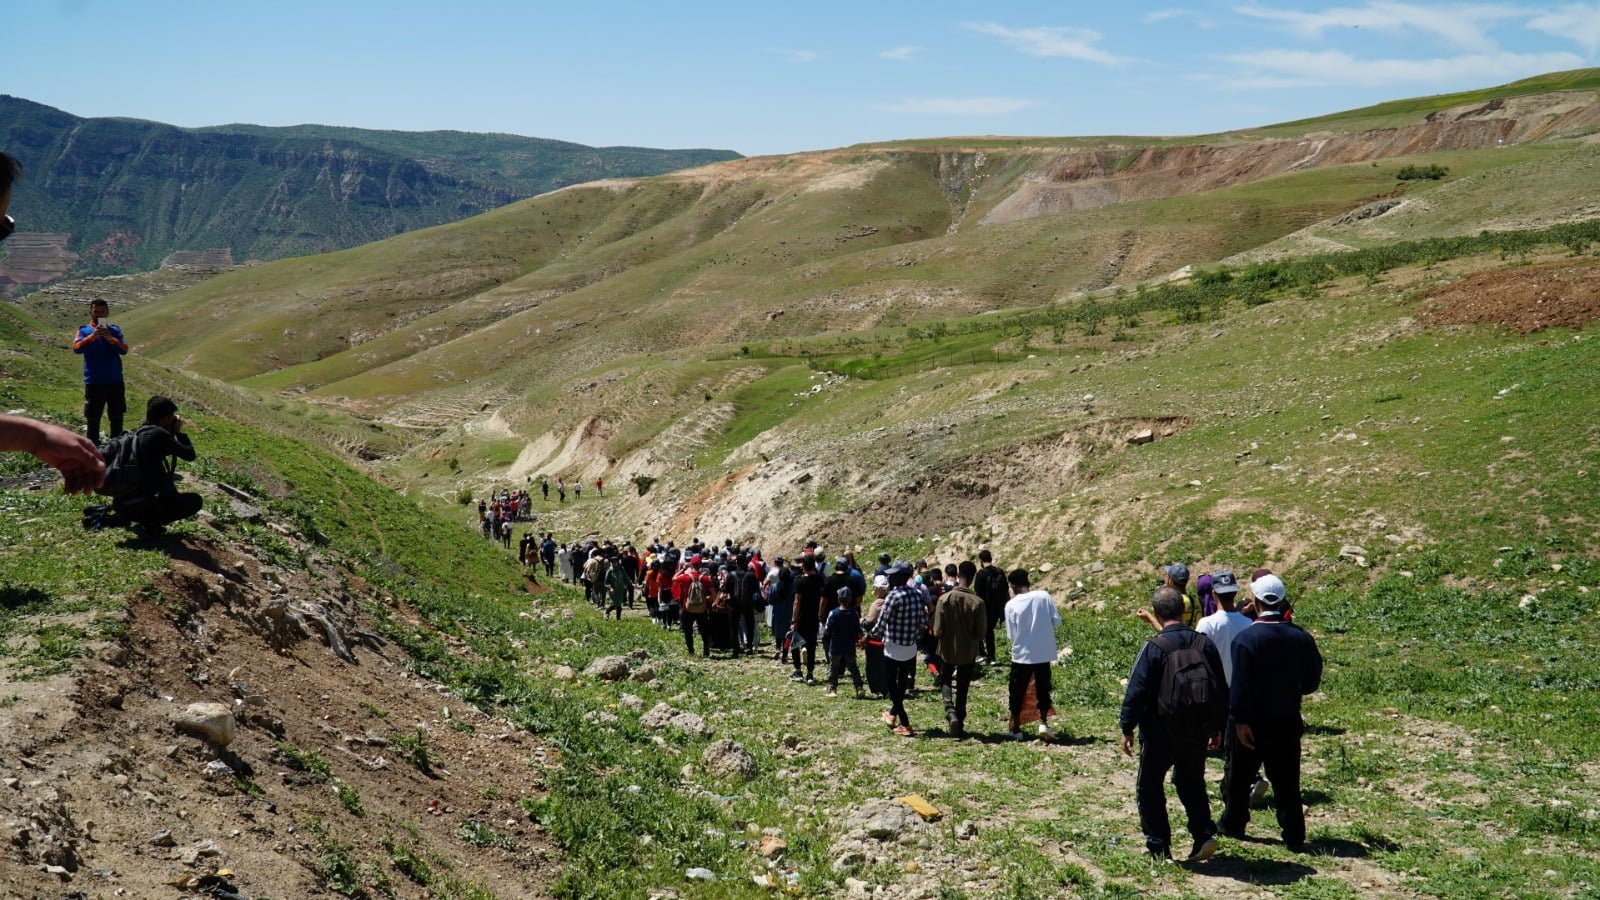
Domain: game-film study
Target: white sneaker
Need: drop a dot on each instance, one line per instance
(1045, 733)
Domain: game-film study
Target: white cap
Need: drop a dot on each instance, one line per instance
(1268, 590)
(880, 581)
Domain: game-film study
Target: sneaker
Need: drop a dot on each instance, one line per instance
(796, 676)
(1258, 793)
(1017, 735)
(1045, 733)
(888, 718)
(1158, 852)
(810, 680)
(833, 692)
(861, 693)
(1203, 849)
(957, 729)
(904, 731)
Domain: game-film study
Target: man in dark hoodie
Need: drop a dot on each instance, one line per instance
(157, 444)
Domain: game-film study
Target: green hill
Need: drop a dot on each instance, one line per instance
(128, 193)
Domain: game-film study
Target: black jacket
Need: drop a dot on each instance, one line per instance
(1274, 665)
(155, 449)
(1144, 683)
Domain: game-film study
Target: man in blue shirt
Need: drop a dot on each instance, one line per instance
(101, 345)
(1275, 663)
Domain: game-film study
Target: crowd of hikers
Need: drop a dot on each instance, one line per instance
(1223, 674)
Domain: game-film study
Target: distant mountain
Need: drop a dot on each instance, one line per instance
(124, 194)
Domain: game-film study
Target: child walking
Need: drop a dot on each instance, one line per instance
(840, 633)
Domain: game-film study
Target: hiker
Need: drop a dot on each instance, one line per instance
(156, 502)
(743, 604)
(102, 347)
(1031, 620)
(780, 603)
(1175, 576)
(619, 588)
(990, 584)
(1225, 624)
(691, 590)
(544, 487)
(902, 622)
(653, 582)
(872, 647)
(805, 618)
(561, 491)
(959, 623)
(840, 633)
(600, 487)
(1275, 663)
(1173, 699)
(577, 491)
(73, 455)
(547, 552)
(720, 618)
(505, 532)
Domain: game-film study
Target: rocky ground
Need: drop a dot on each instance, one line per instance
(325, 762)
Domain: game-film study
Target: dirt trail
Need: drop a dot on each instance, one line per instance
(1562, 294)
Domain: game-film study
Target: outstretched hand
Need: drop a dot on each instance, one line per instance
(73, 455)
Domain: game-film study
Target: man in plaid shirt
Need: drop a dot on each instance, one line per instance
(903, 622)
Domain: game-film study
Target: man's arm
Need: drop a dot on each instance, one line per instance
(1137, 696)
(73, 455)
(1311, 676)
(113, 336)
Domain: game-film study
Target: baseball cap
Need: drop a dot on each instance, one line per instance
(880, 581)
(694, 560)
(1268, 590)
(1224, 583)
(841, 561)
(1178, 572)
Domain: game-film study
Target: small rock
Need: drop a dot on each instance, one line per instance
(631, 703)
(211, 722)
(771, 847)
(912, 866)
(163, 838)
(1350, 551)
(728, 759)
(699, 874)
(849, 861)
(966, 831)
(1144, 436)
(663, 716)
(645, 673)
(565, 673)
(608, 668)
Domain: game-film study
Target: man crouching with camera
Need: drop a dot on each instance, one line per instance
(155, 501)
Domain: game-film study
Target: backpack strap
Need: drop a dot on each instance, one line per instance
(1161, 641)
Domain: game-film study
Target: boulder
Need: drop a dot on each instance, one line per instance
(211, 722)
(1143, 436)
(728, 759)
(608, 668)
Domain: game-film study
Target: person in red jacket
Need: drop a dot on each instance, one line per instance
(696, 605)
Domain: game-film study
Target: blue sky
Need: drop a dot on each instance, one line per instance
(771, 78)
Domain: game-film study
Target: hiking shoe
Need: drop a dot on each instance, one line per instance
(796, 676)
(957, 729)
(810, 680)
(1045, 733)
(904, 731)
(833, 692)
(1203, 849)
(1158, 852)
(1017, 735)
(1258, 793)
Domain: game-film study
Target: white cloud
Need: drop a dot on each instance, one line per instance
(959, 106)
(797, 56)
(1460, 25)
(1302, 68)
(1050, 41)
(1167, 15)
(900, 54)
(1575, 22)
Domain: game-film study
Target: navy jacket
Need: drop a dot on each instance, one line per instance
(1274, 664)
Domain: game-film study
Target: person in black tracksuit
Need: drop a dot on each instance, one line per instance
(1275, 663)
(1160, 750)
(991, 586)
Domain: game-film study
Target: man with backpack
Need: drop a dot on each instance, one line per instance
(1275, 663)
(1176, 699)
(691, 590)
(141, 474)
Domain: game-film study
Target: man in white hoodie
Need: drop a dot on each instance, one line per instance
(1031, 620)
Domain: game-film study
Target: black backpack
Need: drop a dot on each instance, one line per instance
(1192, 699)
(124, 479)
